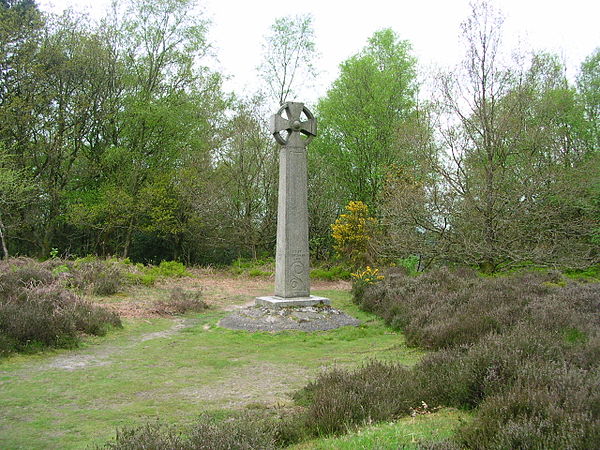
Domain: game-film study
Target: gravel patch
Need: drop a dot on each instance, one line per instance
(308, 318)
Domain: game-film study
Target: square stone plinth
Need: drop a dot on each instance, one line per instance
(281, 302)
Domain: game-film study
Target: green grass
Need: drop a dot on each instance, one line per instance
(405, 433)
(132, 375)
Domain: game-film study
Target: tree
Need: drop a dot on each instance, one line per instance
(514, 156)
(16, 193)
(247, 173)
(588, 84)
(360, 115)
(288, 54)
(169, 103)
(51, 105)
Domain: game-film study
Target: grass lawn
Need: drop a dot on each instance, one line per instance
(405, 433)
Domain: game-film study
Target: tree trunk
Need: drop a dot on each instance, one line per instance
(3, 240)
(128, 238)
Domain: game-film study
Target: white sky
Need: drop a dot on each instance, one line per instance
(342, 28)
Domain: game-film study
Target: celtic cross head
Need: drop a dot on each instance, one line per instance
(299, 121)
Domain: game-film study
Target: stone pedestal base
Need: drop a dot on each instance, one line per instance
(281, 302)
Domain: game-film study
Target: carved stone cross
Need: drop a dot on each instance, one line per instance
(292, 282)
(294, 124)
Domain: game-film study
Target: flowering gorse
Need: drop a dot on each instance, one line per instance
(353, 233)
(367, 276)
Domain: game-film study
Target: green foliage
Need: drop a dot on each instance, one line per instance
(591, 273)
(363, 278)
(253, 267)
(147, 275)
(115, 139)
(170, 269)
(588, 84)
(410, 263)
(518, 159)
(360, 115)
(333, 273)
(259, 273)
(143, 278)
(574, 336)
(63, 268)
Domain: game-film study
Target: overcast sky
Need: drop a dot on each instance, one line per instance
(342, 28)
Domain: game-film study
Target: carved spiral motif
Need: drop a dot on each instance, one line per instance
(297, 267)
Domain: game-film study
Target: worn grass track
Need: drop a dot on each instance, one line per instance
(173, 369)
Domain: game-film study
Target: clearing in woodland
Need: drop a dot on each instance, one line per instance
(175, 368)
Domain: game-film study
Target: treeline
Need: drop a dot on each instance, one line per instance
(117, 139)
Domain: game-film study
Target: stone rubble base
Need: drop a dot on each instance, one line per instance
(301, 318)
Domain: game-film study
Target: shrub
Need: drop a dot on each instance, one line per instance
(331, 274)
(170, 269)
(523, 350)
(410, 263)
(151, 436)
(253, 267)
(107, 277)
(364, 278)
(36, 311)
(244, 432)
(146, 279)
(15, 278)
(181, 302)
(340, 399)
(259, 273)
(551, 407)
(98, 277)
(353, 235)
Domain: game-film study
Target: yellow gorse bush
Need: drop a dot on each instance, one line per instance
(367, 276)
(353, 233)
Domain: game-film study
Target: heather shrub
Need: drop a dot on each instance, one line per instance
(340, 399)
(37, 311)
(550, 407)
(109, 276)
(523, 351)
(151, 436)
(180, 302)
(98, 277)
(245, 432)
(15, 278)
(445, 308)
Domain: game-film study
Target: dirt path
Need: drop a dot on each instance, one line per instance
(101, 355)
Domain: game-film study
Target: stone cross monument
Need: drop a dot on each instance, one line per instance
(292, 282)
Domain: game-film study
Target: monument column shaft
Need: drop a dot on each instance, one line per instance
(292, 258)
